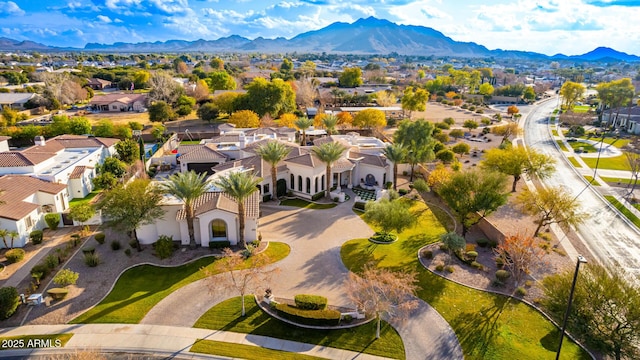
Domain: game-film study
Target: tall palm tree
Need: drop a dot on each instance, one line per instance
(239, 185)
(329, 153)
(13, 234)
(3, 234)
(330, 121)
(303, 123)
(187, 187)
(395, 153)
(273, 152)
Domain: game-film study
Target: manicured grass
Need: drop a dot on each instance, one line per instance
(227, 316)
(581, 108)
(34, 341)
(189, 142)
(610, 163)
(576, 145)
(593, 181)
(249, 352)
(306, 204)
(574, 162)
(488, 326)
(617, 142)
(86, 199)
(554, 132)
(140, 288)
(618, 180)
(626, 212)
(561, 145)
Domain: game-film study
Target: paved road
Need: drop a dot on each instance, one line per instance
(314, 266)
(607, 235)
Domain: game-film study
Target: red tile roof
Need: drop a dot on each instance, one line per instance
(15, 188)
(220, 201)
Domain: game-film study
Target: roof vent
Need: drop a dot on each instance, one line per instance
(39, 140)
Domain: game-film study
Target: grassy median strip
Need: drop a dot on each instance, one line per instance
(248, 352)
(306, 204)
(227, 316)
(34, 341)
(626, 212)
(608, 163)
(574, 162)
(562, 146)
(591, 180)
(488, 326)
(140, 288)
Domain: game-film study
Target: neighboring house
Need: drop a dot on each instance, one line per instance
(98, 84)
(16, 100)
(199, 158)
(119, 102)
(25, 201)
(66, 159)
(216, 219)
(627, 118)
(4, 143)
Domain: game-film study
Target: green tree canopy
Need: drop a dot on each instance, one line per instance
(274, 97)
(221, 80)
(416, 137)
(390, 215)
(160, 111)
(208, 112)
(350, 77)
(127, 150)
(517, 161)
(79, 125)
(414, 100)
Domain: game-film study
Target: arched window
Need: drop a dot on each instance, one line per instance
(322, 183)
(316, 185)
(292, 185)
(299, 183)
(218, 229)
(308, 186)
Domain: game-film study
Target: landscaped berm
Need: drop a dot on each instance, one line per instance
(488, 326)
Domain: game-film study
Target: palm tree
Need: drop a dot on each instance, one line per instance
(395, 153)
(303, 123)
(329, 153)
(273, 152)
(330, 121)
(3, 234)
(239, 185)
(187, 187)
(13, 234)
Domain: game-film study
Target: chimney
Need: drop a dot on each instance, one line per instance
(39, 140)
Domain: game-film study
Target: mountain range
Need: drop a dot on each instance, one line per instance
(364, 36)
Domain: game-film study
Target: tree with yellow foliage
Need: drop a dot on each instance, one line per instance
(245, 119)
(288, 120)
(344, 119)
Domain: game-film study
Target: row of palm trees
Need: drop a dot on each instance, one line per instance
(10, 233)
(240, 185)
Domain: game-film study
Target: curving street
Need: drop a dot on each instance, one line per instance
(606, 234)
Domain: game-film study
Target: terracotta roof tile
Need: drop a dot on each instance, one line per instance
(16, 188)
(220, 201)
(369, 159)
(77, 172)
(200, 152)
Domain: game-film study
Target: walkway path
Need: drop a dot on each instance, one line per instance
(166, 341)
(314, 266)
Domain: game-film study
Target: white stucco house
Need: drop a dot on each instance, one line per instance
(25, 201)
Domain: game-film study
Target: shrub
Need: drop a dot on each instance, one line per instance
(91, 259)
(100, 238)
(493, 243)
(528, 283)
(324, 317)
(52, 220)
(317, 196)
(14, 255)
(482, 242)
(472, 255)
(439, 267)
(403, 192)
(40, 271)
(58, 293)
(347, 318)
(133, 243)
(65, 277)
(469, 247)
(266, 197)
(75, 239)
(127, 252)
(219, 244)
(520, 291)
(115, 245)
(9, 301)
(383, 237)
(449, 269)
(545, 236)
(499, 262)
(310, 302)
(502, 275)
(36, 237)
(427, 254)
(443, 247)
(477, 265)
(164, 246)
(443, 126)
(51, 261)
(359, 206)
(88, 250)
(449, 121)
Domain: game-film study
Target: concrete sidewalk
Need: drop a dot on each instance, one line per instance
(169, 341)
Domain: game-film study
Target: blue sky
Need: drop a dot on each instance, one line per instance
(545, 26)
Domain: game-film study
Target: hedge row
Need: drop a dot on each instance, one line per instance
(326, 317)
(219, 244)
(310, 302)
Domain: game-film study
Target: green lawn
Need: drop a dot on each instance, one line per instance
(610, 163)
(581, 108)
(561, 145)
(554, 132)
(579, 145)
(86, 199)
(189, 142)
(593, 181)
(241, 351)
(574, 162)
(488, 326)
(33, 341)
(617, 142)
(226, 316)
(626, 212)
(619, 180)
(306, 204)
(140, 288)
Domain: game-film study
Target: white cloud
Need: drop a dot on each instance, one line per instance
(10, 8)
(104, 19)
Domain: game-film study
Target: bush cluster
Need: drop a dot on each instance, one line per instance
(502, 275)
(9, 301)
(427, 254)
(359, 206)
(36, 237)
(164, 246)
(100, 238)
(91, 259)
(326, 317)
(52, 220)
(317, 196)
(383, 237)
(482, 242)
(14, 255)
(51, 261)
(115, 245)
(310, 302)
(219, 244)
(65, 277)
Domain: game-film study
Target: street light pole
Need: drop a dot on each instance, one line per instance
(581, 260)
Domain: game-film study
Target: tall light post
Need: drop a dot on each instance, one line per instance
(581, 260)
